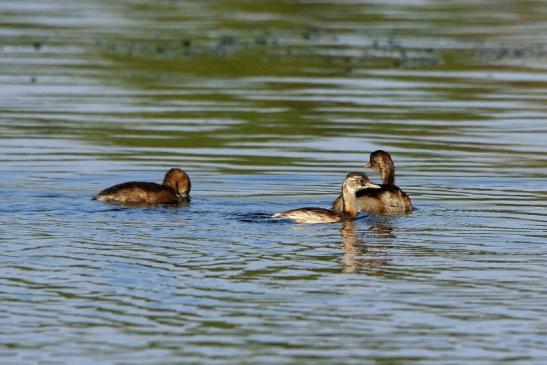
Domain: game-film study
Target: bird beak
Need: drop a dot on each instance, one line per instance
(368, 165)
(370, 185)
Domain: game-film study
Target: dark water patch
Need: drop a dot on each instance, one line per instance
(263, 218)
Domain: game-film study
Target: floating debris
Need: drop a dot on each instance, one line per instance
(319, 44)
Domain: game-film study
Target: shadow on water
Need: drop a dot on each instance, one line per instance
(118, 206)
(262, 218)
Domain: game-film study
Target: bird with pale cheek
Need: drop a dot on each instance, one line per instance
(389, 199)
(353, 182)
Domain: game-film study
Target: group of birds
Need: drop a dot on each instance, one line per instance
(359, 194)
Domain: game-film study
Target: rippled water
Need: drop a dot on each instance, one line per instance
(268, 105)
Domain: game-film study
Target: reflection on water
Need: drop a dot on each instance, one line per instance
(360, 257)
(268, 105)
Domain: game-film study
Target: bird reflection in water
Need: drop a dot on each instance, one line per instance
(361, 257)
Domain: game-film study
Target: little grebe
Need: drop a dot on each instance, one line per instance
(353, 182)
(387, 200)
(174, 189)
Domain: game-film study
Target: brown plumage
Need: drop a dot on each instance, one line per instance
(353, 182)
(389, 199)
(174, 189)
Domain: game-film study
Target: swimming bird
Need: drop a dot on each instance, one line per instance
(174, 189)
(353, 182)
(389, 199)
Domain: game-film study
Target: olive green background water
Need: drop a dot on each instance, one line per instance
(267, 105)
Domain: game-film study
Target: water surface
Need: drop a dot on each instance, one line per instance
(268, 105)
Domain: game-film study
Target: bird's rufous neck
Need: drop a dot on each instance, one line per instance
(388, 174)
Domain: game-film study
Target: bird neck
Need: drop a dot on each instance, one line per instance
(387, 172)
(349, 202)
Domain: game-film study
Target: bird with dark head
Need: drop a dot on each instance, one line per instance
(383, 164)
(389, 199)
(353, 182)
(174, 189)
